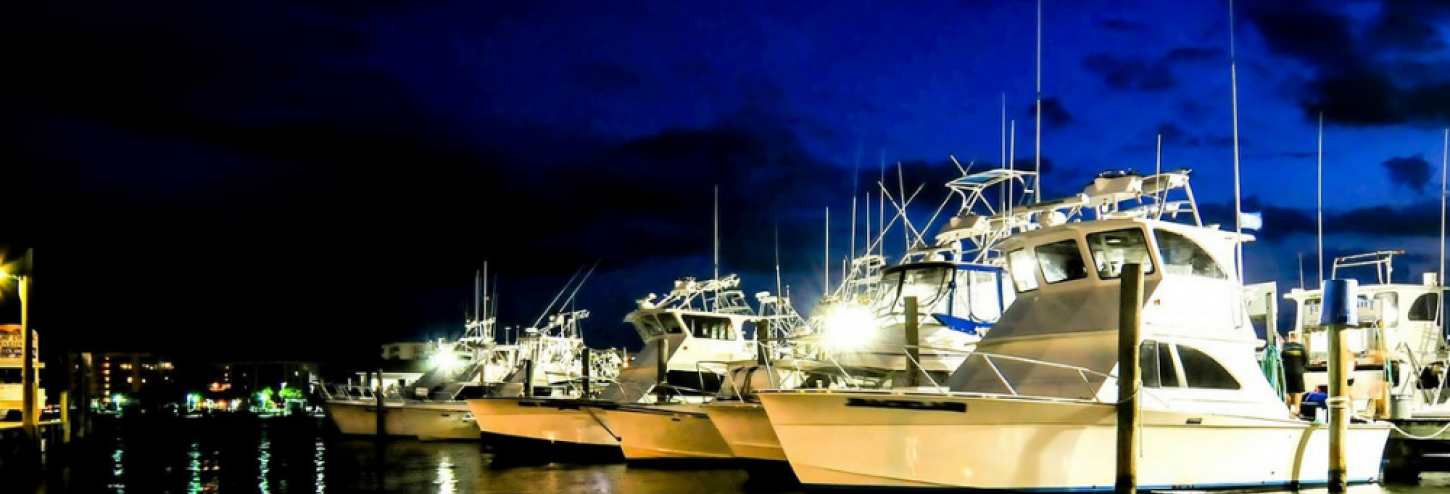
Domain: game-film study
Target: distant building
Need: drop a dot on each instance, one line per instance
(119, 373)
(250, 377)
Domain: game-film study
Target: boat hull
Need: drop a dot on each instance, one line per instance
(425, 421)
(746, 430)
(561, 422)
(916, 441)
(667, 432)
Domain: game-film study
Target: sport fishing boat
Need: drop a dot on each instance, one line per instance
(676, 425)
(688, 335)
(1399, 351)
(432, 407)
(1039, 393)
(859, 340)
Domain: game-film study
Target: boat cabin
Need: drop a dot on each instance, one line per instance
(1059, 338)
(1400, 324)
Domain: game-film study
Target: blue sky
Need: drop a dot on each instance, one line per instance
(343, 167)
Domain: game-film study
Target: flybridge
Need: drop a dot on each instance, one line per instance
(721, 295)
(1110, 195)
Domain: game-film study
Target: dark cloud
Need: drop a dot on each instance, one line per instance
(602, 76)
(1120, 24)
(1362, 77)
(1126, 73)
(1421, 219)
(1410, 172)
(1054, 114)
(1131, 73)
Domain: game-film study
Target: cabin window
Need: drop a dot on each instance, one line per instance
(651, 325)
(1167, 372)
(1425, 307)
(1202, 371)
(1111, 250)
(1148, 363)
(1183, 256)
(670, 324)
(1061, 261)
(1024, 270)
(709, 328)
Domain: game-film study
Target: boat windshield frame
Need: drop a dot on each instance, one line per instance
(891, 295)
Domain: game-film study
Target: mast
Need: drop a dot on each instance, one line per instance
(777, 260)
(1002, 200)
(717, 241)
(1234, 92)
(1011, 157)
(827, 262)
(882, 223)
(1319, 197)
(1037, 164)
(477, 295)
(1444, 160)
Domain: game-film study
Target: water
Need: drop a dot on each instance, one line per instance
(287, 456)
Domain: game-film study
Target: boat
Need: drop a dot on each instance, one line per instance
(432, 407)
(687, 334)
(1032, 408)
(1399, 351)
(857, 339)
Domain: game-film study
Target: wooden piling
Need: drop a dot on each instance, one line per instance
(1338, 312)
(382, 421)
(584, 370)
(1130, 316)
(913, 342)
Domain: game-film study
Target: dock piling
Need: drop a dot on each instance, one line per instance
(1130, 315)
(584, 368)
(1338, 312)
(382, 421)
(913, 342)
(762, 342)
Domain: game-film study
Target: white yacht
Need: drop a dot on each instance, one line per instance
(858, 339)
(688, 336)
(1033, 407)
(1400, 352)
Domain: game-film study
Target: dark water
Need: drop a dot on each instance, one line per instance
(287, 456)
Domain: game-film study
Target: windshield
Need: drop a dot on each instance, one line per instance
(929, 284)
(944, 289)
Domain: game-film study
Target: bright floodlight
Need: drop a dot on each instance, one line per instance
(849, 328)
(444, 360)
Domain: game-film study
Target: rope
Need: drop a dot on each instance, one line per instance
(1412, 436)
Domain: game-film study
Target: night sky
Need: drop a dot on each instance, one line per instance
(270, 179)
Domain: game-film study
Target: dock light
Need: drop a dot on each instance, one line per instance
(444, 360)
(849, 327)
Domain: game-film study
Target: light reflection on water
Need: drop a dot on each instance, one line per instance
(295, 456)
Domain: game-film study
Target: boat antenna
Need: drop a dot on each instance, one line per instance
(570, 301)
(477, 296)
(1444, 160)
(1003, 199)
(1234, 93)
(1319, 197)
(1011, 157)
(492, 329)
(827, 260)
(881, 236)
(855, 187)
(868, 224)
(777, 258)
(717, 243)
(1037, 164)
(1157, 170)
(556, 297)
(906, 221)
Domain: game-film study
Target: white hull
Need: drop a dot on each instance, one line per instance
(425, 421)
(550, 421)
(885, 440)
(746, 430)
(666, 432)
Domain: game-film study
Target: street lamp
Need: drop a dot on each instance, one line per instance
(28, 422)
